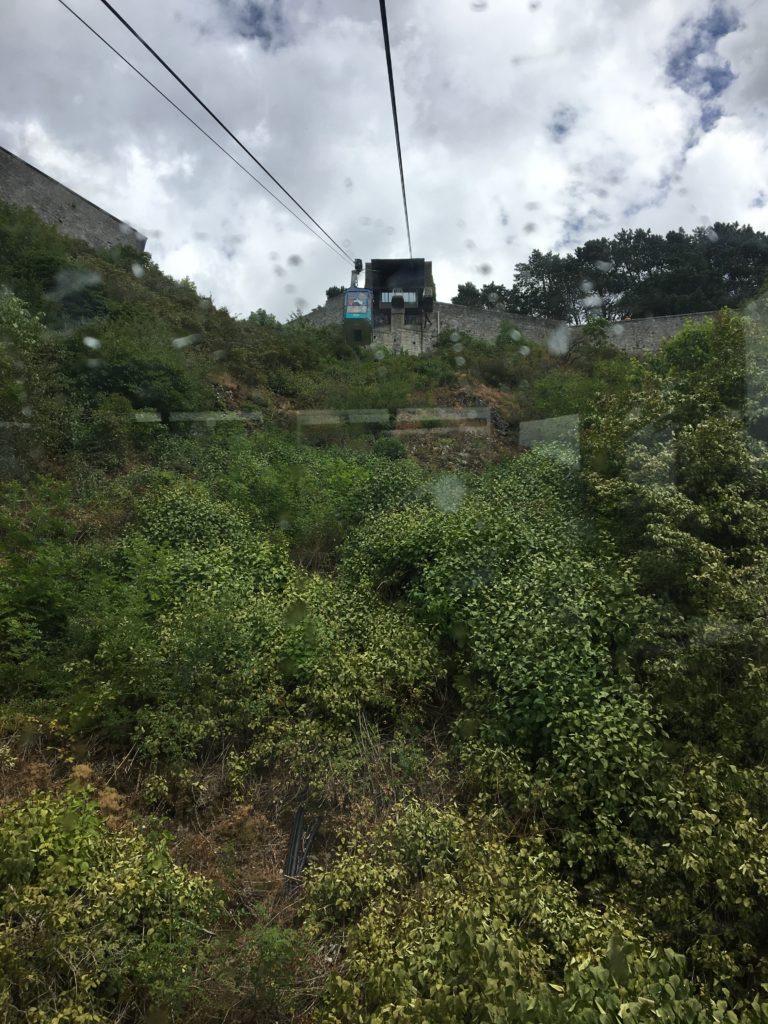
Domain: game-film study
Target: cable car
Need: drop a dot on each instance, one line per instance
(358, 310)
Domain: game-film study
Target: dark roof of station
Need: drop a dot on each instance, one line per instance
(384, 275)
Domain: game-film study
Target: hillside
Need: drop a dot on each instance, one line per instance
(520, 697)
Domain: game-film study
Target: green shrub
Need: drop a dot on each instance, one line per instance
(93, 924)
(389, 448)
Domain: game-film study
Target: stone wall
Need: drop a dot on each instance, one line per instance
(328, 315)
(631, 336)
(71, 214)
(647, 334)
(486, 323)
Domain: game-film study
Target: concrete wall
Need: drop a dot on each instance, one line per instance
(71, 214)
(631, 336)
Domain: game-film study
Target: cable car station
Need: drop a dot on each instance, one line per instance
(396, 308)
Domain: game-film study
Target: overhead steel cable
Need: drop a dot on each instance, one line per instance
(202, 130)
(221, 124)
(385, 29)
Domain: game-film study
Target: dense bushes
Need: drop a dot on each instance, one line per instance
(92, 923)
(533, 697)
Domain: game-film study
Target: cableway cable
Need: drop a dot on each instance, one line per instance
(221, 124)
(192, 121)
(385, 29)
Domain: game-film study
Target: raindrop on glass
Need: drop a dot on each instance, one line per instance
(280, 271)
(460, 361)
(529, 227)
(470, 244)
(274, 255)
(185, 342)
(290, 288)
(454, 336)
(137, 270)
(524, 350)
(294, 261)
(711, 234)
(516, 335)
(92, 343)
(484, 269)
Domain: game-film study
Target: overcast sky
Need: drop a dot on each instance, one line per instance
(524, 125)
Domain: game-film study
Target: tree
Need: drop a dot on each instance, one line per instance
(333, 291)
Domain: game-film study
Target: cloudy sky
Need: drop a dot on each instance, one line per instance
(524, 125)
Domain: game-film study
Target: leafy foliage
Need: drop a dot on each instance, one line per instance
(91, 921)
(634, 274)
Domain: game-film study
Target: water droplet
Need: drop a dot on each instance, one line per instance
(137, 270)
(516, 335)
(448, 493)
(348, 183)
(280, 271)
(390, 231)
(470, 244)
(529, 227)
(586, 287)
(557, 342)
(509, 239)
(379, 353)
(533, 205)
(93, 363)
(605, 265)
(301, 304)
(290, 288)
(92, 343)
(190, 339)
(524, 350)
(26, 411)
(460, 361)
(711, 234)
(294, 261)
(479, 5)
(493, 298)
(457, 346)
(274, 255)
(365, 221)
(484, 269)
(455, 336)
(461, 223)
